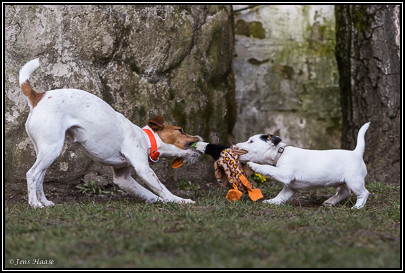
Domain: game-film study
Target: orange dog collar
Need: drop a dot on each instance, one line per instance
(154, 154)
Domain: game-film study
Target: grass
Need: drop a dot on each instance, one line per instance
(213, 233)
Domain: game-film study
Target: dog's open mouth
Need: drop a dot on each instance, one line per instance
(192, 145)
(179, 161)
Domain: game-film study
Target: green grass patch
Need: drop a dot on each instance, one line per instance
(213, 233)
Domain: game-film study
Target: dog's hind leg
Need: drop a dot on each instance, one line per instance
(35, 176)
(40, 192)
(342, 192)
(122, 177)
(356, 184)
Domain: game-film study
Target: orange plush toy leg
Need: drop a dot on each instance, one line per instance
(234, 194)
(254, 194)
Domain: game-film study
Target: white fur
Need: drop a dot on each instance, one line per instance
(28, 69)
(300, 168)
(106, 135)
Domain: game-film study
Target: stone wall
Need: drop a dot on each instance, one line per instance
(286, 75)
(166, 60)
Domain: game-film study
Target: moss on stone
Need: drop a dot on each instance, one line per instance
(106, 91)
(179, 114)
(285, 71)
(171, 93)
(230, 116)
(300, 81)
(322, 40)
(251, 29)
(134, 68)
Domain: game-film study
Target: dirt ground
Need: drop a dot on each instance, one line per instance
(62, 193)
(59, 193)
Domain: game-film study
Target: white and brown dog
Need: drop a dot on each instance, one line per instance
(106, 136)
(300, 168)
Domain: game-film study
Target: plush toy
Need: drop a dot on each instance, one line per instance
(230, 173)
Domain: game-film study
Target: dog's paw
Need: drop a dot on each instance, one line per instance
(273, 201)
(154, 200)
(184, 201)
(48, 203)
(254, 166)
(357, 207)
(36, 205)
(179, 200)
(328, 204)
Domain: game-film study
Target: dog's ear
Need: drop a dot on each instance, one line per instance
(269, 137)
(274, 139)
(156, 123)
(265, 138)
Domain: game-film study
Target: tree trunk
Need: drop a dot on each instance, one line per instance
(369, 63)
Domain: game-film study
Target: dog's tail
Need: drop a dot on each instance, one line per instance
(25, 73)
(361, 144)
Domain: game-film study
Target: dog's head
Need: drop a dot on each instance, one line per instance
(258, 148)
(175, 142)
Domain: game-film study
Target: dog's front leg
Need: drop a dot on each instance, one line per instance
(122, 177)
(151, 180)
(286, 193)
(139, 160)
(279, 175)
(271, 171)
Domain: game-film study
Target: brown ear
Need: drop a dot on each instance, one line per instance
(156, 123)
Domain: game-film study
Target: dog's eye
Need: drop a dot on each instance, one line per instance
(250, 141)
(181, 131)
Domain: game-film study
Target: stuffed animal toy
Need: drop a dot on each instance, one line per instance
(230, 173)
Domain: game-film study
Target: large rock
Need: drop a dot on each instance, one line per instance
(166, 60)
(286, 74)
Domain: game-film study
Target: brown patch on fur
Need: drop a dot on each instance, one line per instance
(33, 96)
(171, 134)
(156, 123)
(174, 135)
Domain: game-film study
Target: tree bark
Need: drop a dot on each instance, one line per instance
(369, 63)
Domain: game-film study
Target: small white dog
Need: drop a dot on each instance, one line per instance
(106, 135)
(300, 168)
